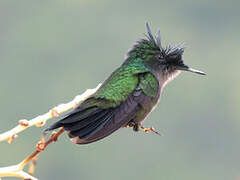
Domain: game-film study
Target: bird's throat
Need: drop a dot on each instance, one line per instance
(164, 79)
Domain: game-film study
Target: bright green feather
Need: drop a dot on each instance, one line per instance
(149, 84)
(121, 83)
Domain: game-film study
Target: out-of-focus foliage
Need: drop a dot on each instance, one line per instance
(51, 51)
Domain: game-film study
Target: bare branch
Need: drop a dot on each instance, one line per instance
(40, 121)
(17, 170)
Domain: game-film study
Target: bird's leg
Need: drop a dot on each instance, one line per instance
(133, 125)
(138, 126)
(151, 129)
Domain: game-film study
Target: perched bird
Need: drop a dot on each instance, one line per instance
(129, 94)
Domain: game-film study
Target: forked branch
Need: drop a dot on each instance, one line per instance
(17, 170)
(40, 121)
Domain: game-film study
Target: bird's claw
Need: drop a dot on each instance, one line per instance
(151, 129)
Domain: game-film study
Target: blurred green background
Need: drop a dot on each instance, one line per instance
(51, 51)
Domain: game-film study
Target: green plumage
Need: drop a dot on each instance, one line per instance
(149, 84)
(123, 82)
(132, 76)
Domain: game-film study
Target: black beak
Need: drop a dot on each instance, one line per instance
(183, 67)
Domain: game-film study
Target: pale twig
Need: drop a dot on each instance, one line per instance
(17, 170)
(32, 165)
(40, 121)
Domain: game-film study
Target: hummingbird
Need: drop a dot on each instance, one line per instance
(129, 94)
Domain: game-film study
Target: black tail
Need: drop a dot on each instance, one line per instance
(53, 126)
(84, 122)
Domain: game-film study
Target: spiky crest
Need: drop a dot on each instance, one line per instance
(152, 45)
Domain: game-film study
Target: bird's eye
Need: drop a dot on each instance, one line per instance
(160, 56)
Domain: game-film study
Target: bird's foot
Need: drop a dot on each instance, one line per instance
(151, 129)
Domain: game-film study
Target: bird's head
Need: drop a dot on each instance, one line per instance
(167, 61)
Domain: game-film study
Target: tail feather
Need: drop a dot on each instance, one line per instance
(74, 116)
(84, 122)
(53, 126)
(92, 127)
(80, 114)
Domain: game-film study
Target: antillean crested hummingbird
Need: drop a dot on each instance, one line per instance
(129, 94)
